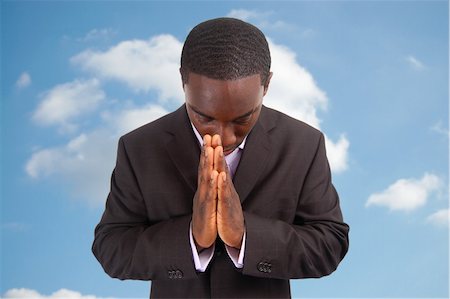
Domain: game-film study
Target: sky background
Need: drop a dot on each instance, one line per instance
(372, 75)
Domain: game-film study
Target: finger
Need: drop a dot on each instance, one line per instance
(209, 159)
(207, 140)
(203, 155)
(219, 159)
(222, 185)
(206, 165)
(208, 151)
(201, 164)
(216, 141)
(212, 190)
(206, 194)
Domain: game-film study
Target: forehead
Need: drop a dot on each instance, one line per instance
(223, 98)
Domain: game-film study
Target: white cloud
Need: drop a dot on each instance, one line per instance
(406, 194)
(308, 33)
(32, 294)
(63, 103)
(21, 293)
(23, 81)
(260, 19)
(85, 163)
(294, 91)
(415, 63)
(43, 163)
(440, 218)
(337, 153)
(130, 119)
(96, 34)
(441, 129)
(246, 15)
(87, 160)
(142, 65)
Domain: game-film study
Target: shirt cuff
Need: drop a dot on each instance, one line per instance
(202, 259)
(236, 255)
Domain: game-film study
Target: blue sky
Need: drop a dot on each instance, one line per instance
(372, 75)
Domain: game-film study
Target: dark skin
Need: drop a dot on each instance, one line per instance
(223, 112)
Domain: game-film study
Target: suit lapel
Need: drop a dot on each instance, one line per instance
(183, 148)
(254, 157)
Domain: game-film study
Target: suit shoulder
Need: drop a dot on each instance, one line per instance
(292, 127)
(150, 131)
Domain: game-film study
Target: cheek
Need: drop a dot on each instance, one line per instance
(244, 130)
(240, 132)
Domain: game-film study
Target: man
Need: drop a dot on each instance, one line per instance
(223, 197)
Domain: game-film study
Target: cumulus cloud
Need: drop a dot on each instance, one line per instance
(246, 15)
(294, 91)
(143, 65)
(130, 119)
(32, 294)
(440, 218)
(406, 194)
(337, 153)
(87, 160)
(64, 102)
(261, 20)
(85, 163)
(441, 129)
(23, 81)
(97, 34)
(415, 63)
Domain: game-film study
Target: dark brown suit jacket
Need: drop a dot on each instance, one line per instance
(293, 221)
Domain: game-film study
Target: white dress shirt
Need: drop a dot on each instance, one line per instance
(202, 259)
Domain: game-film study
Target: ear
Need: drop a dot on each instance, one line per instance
(266, 86)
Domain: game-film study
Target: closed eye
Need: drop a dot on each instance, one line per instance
(204, 118)
(242, 121)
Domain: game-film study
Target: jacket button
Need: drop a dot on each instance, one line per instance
(261, 267)
(264, 267)
(178, 274)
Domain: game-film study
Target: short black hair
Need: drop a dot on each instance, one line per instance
(225, 49)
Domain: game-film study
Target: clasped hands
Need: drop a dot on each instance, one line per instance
(216, 208)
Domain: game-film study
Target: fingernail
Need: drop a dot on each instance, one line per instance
(224, 177)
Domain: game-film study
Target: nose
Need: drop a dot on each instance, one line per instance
(227, 135)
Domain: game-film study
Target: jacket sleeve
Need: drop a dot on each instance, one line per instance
(310, 247)
(127, 245)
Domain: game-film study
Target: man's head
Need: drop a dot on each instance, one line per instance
(225, 69)
(225, 49)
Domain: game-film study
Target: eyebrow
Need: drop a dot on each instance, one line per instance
(210, 117)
